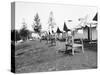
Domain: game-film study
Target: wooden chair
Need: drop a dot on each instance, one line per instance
(74, 45)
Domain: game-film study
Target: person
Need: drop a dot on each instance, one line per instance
(47, 36)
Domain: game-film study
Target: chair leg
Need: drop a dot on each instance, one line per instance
(72, 51)
(82, 46)
(83, 49)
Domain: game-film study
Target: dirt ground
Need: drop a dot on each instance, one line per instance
(36, 56)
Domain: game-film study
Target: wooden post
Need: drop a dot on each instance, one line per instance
(72, 43)
(82, 45)
(90, 33)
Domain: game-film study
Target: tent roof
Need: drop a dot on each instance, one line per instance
(86, 27)
(65, 28)
(95, 17)
(89, 26)
(52, 31)
(58, 30)
(78, 27)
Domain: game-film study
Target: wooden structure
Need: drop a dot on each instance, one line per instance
(71, 43)
(74, 45)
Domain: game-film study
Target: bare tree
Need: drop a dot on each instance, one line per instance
(51, 21)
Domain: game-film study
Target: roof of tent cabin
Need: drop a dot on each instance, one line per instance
(65, 28)
(58, 30)
(95, 17)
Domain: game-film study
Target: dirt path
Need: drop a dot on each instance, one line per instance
(37, 57)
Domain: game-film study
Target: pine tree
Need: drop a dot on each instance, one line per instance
(37, 25)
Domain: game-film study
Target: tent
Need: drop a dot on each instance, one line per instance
(65, 28)
(95, 17)
(93, 30)
(58, 31)
(90, 31)
(86, 32)
(59, 35)
(90, 34)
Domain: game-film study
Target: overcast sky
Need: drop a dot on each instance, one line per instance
(61, 12)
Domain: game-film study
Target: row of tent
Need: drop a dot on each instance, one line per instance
(89, 32)
(65, 28)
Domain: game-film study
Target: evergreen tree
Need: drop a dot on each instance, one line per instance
(24, 32)
(37, 25)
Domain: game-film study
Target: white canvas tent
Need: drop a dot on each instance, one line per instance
(91, 30)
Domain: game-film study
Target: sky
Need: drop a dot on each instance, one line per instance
(25, 12)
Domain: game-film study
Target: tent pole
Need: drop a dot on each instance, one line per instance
(90, 33)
